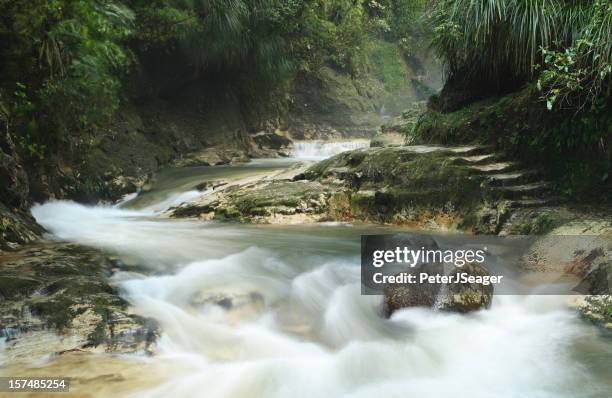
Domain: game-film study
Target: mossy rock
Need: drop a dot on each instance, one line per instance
(14, 286)
(451, 297)
(65, 287)
(559, 143)
(388, 180)
(598, 310)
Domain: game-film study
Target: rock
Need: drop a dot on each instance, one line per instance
(13, 178)
(210, 185)
(228, 301)
(60, 293)
(452, 297)
(598, 310)
(212, 157)
(398, 296)
(265, 201)
(270, 145)
(17, 226)
(465, 297)
(123, 185)
(329, 104)
(387, 139)
(267, 140)
(595, 268)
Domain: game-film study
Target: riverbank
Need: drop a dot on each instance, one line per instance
(424, 188)
(57, 298)
(257, 304)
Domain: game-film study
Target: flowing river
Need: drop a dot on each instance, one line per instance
(299, 326)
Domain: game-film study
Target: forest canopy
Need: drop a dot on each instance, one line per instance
(64, 61)
(565, 44)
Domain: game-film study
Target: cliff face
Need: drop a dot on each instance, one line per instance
(329, 104)
(167, 117)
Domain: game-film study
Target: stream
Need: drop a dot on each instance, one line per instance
(298, 326)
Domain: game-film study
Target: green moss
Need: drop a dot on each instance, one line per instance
(362, 202)
(11, 286)
(387, 65)
(57, 312)
(541, 224)
(388, 182)
(227, 214)
(565, 144)
(259, 211)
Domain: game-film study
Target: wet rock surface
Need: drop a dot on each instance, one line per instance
(423, 186)
(465, 297)
(212, 157)
(60, 293)
(598, 310)
(270, 145)
(451, 297)
(17, 226)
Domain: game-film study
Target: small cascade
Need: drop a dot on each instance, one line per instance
(317, 150)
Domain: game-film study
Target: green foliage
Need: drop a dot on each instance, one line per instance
(566, 43)
(272, 37)
(492, 38)
(574, 147)
(220, 33)
(386, 64)
(580, 74)
(64, 62)
(562, 48)
(395, 20)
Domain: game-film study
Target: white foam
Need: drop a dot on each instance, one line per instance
(315, 335)
(317, 150)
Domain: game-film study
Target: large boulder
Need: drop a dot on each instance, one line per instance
(453, 297)
(270, 144)
(465, 297)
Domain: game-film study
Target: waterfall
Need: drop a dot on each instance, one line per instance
(318, 150)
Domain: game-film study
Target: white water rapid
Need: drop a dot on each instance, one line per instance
(298, 326)
(317, 150)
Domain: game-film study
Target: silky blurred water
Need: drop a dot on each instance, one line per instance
(298, 326)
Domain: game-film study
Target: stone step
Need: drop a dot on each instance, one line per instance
(483, 159)
(532, 190)
(512, 178)
(450, 150)
(495, 168)
(535, 202)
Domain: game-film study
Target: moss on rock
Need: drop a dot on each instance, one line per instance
(65, 288)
